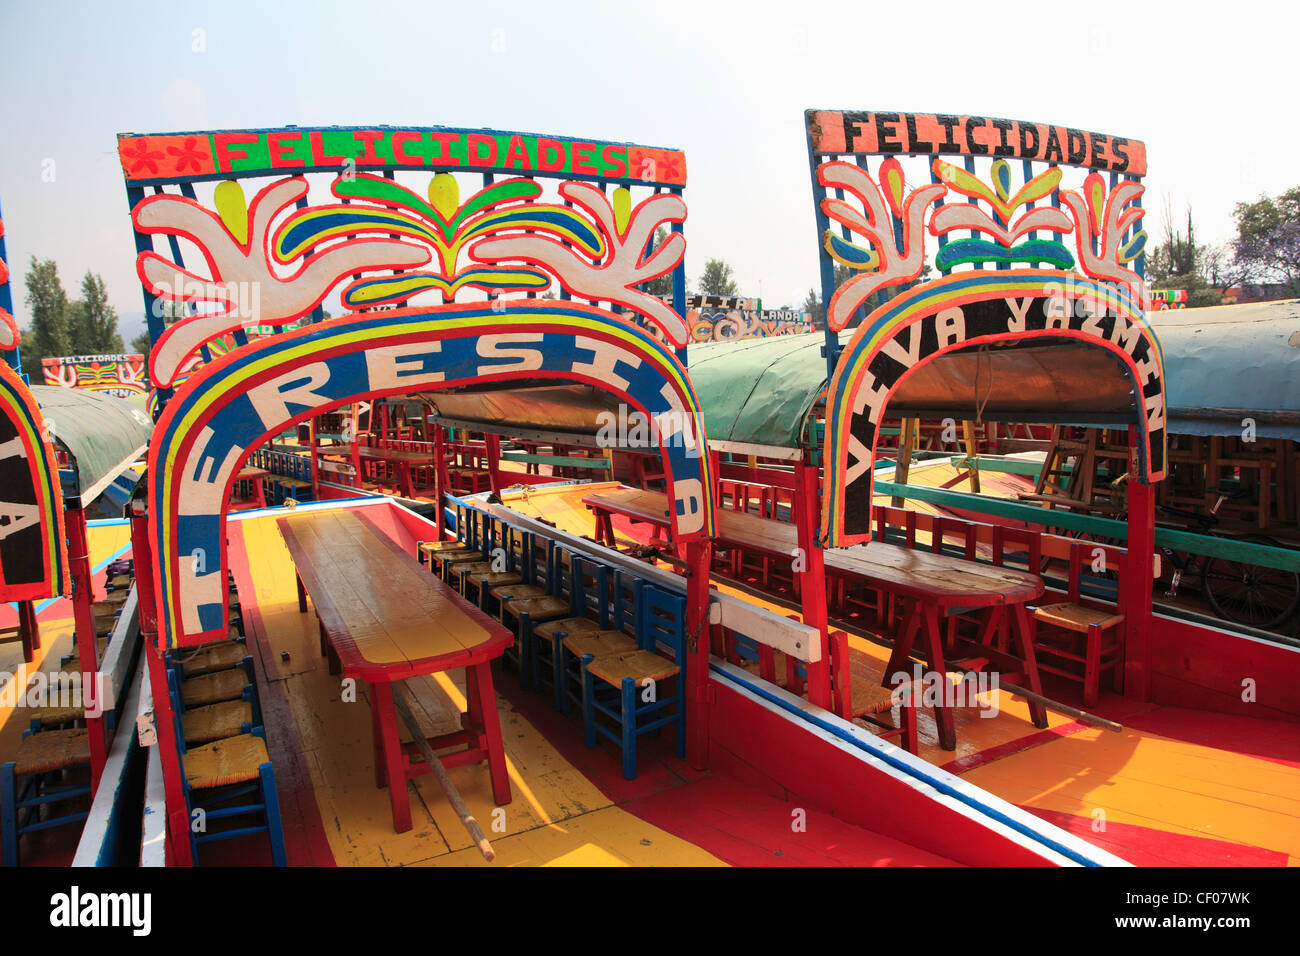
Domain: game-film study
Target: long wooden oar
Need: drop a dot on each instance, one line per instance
(1049, 703)
(402, 701)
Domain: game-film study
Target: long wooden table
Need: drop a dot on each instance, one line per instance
(384, 618)
(931, 586)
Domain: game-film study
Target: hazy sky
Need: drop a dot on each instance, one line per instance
(1206, 85)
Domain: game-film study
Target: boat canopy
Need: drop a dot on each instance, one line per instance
(102, 435)
(756, 394)
(1228, 363)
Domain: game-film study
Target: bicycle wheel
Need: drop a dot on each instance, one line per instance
(1249, 593)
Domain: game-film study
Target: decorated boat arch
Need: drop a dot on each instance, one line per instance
(272, 260)
(1027, 267)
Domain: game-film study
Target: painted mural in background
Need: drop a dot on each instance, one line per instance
(121, 376)
(724, 318)
(1165, 299)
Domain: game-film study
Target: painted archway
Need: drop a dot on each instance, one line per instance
(958, 312)
(225, 410)
(33, 550)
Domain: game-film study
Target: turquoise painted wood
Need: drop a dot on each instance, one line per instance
(1230, 549)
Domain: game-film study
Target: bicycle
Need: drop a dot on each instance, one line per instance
(1250, 594)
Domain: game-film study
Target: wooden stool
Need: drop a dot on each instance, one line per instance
(1097, 654)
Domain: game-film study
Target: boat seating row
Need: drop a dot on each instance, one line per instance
(51, 768)
(290, 475)
(229, 779)
(587, 633)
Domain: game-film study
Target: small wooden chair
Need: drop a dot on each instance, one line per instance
(1074, 632)
(589, 607)
(40, 764)
(221, 777)
(614, 685)
(863, 696)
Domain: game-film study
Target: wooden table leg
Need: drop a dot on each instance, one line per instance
(381, 699)
(943, 709)
(377, 738)
(259, 493)
(1023, 634)
(481, 675)
(302, 596)
(903, 645)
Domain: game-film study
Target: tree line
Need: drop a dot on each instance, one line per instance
(59, 326)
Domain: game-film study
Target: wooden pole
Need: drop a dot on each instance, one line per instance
(698, 557)
(812, 589)
(1050, 704)
(178, 816)
(402, 703)
(1137, 580)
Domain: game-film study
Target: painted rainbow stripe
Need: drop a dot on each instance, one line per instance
(19, 405)
(930, 299)
(660, 383)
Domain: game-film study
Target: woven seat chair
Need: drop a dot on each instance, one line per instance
(40, 763)
(217, 656)
(548, 567)
(599, 643)
(1076, 641)
(229, 718)
(867, 698)
(616, 637)
(586, 608)
(225, 779)
(237, 683)
(615, 686)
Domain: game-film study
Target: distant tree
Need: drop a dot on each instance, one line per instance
(1267, 248)
(48, 335)
(718, 279)
(141, 343)
(1179, 263)
(813, 305)
(92, 322)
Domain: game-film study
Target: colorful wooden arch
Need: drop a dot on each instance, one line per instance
(33, 550)
(957, 312)
(226, 409)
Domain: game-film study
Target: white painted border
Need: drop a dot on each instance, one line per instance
(94, 834)
(153, 826)
(121, 648)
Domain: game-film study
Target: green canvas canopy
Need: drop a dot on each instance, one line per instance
(102, 435)
(759, 391)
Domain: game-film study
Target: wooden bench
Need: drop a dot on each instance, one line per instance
(384, 618)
